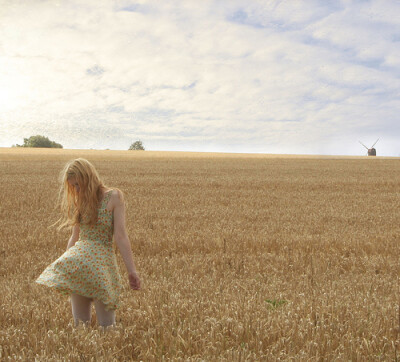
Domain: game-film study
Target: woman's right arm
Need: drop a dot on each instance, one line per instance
(74, 237)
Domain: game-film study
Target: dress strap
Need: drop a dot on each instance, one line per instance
(106, 198)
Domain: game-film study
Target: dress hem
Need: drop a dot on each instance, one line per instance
(68, 291)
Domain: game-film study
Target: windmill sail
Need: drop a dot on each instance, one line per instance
(375, 143)
(365, 145)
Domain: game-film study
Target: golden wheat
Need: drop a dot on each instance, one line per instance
(242, 257)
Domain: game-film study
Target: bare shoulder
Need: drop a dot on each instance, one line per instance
(117, 198)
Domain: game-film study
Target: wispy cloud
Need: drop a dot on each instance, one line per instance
(304, 77)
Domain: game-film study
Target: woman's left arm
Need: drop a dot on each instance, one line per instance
(122, 240)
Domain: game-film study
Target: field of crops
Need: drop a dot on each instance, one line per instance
(242, 257)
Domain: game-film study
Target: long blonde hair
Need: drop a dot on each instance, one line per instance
(79, 207)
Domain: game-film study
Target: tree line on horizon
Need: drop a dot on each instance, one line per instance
(39, 141)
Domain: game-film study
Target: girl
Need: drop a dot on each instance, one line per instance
(88, 270)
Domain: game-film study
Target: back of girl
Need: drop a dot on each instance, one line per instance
(88, 270)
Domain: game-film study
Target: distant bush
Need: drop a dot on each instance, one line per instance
(137, 146)
(39, 141)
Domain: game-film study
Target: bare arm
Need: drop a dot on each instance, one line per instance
(74, 237)
(122, 240)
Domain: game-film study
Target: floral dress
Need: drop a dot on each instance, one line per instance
(89, 268)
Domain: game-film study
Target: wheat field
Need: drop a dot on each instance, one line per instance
(242, 258)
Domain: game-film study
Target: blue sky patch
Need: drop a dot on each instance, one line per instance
(95, 70)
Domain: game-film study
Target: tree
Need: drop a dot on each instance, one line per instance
(137, 146)
(39, 141)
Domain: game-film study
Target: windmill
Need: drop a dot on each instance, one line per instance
(372, 150)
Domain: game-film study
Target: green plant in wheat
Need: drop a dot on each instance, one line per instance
(275, 303)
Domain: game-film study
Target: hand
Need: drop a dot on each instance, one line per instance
(134, 281)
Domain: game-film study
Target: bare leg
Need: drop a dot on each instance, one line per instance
(81, 308)
(105, 317)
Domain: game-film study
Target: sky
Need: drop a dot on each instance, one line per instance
(285, 77)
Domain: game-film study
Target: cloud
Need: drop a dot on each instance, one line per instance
(234, 75)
